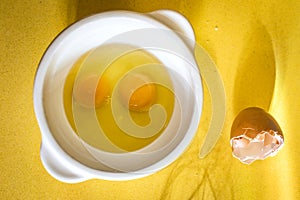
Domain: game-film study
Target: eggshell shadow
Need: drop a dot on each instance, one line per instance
(255, 77)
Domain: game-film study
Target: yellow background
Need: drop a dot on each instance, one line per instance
(256, 46)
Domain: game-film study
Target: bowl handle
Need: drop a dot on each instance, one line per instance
(59, 167)
(177, 23)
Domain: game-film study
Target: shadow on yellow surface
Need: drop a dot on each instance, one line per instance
(255, 76)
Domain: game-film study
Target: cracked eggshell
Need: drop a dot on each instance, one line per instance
(255, 135)
(255, 120)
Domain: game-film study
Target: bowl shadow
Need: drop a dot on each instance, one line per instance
(89, 7)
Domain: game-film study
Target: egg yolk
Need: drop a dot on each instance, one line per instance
(85, 93)
(137, 92)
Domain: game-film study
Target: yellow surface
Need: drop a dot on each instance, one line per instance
(251, 41)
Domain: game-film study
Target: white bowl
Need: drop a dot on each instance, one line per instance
(169, 37)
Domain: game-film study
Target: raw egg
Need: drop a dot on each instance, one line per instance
(137, 92)
(91, 91)
(255, 135)
(122, 79)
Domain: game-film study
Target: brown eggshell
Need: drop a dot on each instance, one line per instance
(255, 120)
